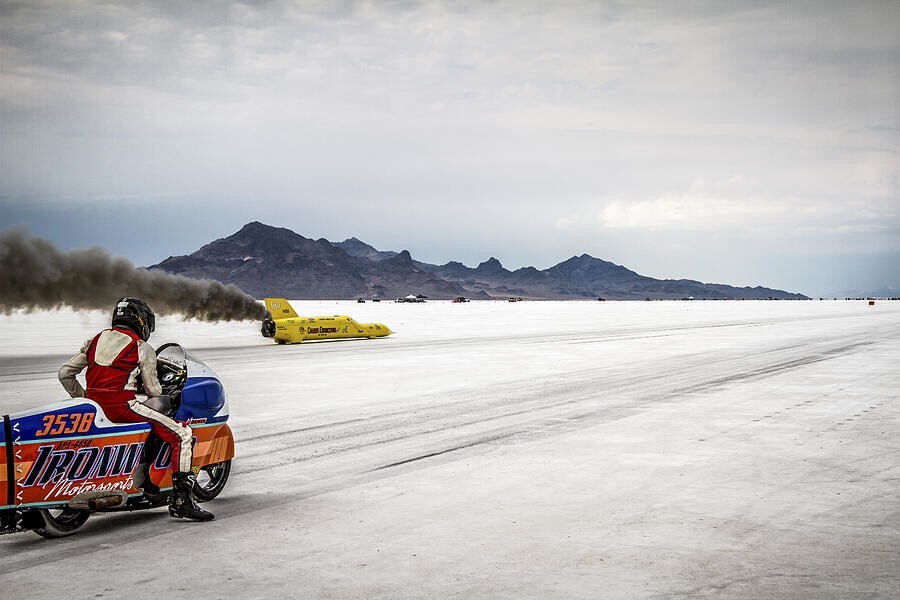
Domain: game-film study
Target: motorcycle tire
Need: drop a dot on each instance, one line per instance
(211, 481)
(61, 522)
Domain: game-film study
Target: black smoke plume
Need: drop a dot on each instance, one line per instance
(35, 275)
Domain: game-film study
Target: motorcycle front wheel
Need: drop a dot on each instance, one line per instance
(61, 522)
(211, 480)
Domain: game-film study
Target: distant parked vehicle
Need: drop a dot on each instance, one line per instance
(460, 299)
(412, 299)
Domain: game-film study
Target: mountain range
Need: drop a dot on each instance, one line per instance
(273, 261)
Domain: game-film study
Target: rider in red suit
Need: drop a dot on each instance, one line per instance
(114, 359)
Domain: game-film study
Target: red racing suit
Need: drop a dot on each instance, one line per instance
(114, 358)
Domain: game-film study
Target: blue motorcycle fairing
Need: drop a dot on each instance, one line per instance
(201, 398)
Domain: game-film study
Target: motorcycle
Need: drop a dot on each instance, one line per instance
(61, 463)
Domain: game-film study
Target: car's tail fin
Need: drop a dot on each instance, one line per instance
(280, 309)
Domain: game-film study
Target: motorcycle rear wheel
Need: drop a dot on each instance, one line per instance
(211, 481)
(61, 522)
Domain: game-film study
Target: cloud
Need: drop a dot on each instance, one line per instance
(688, 212)
(754, 217)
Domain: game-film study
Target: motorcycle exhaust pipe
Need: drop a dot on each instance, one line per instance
(101, 500)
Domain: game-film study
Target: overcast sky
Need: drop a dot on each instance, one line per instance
(747, 143)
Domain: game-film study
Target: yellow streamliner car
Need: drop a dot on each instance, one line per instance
(286, 327)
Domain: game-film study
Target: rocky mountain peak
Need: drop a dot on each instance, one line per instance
(491, 265)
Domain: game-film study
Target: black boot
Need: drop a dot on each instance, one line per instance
(181, 504)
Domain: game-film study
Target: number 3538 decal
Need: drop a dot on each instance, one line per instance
(65, 423)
